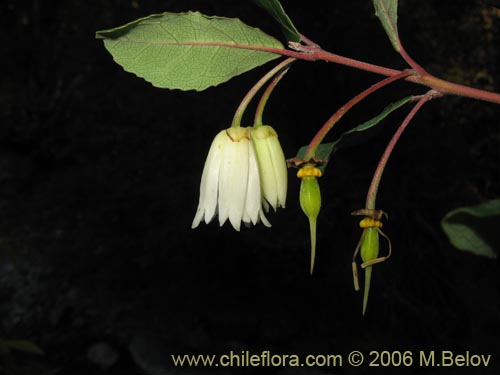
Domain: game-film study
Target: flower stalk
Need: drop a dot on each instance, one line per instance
(238, 115)
(368, 244)
(371, 197)
(321, 134)
(265, 96)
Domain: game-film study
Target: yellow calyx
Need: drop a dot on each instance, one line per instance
(309, 171)
(369, 222)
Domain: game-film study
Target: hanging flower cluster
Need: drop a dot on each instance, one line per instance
(244, 173)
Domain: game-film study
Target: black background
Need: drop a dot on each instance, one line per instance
(99, 179)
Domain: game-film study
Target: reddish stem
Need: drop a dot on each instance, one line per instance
(415, 66)
(265, 96)
(372, 191)
(238, 115)
(312, 52)
(423, 78)
(440, 85)
(320, 135)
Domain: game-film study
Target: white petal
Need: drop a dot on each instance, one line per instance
(210, 180)
(253, 195)
(212, 177)
(264, 219)
(280, 169)
(233, 182)
(265, 205)
(267, 175)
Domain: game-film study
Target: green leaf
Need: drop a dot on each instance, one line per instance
(23, 346)
(325, 150)
(188, 51)
(387, 12)
(275, 9)
(475, 229)
(377, 119)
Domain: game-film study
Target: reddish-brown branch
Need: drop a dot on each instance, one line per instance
(314, 53)
(377, 176)
(320, 135)
(440, 85)
(425, 79)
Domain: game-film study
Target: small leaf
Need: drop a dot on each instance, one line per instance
(387, 12)
(24, 346)
(325, 150)
(188, 51)
(377, 119)
(475, 228)
(275, 9)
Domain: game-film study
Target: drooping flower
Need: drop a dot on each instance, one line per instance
(230, 183)
(272, 165)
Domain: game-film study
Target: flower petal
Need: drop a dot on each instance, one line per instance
(210, 180)
(264, 219)
(267, 176)
(233, 182)
(253, 199)
(280, 169)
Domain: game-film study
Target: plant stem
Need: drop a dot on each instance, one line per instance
(446, 87)
(372, 191)
(413, 64)
(265, 96)
(320, 135)
(238, 115)
(425, 79)
(440, 85)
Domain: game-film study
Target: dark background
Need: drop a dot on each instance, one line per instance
(99, 179)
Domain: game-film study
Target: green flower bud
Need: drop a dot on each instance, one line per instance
(310, 201)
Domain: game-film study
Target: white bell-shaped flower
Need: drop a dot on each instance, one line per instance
(272, 165)
(230, 183)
